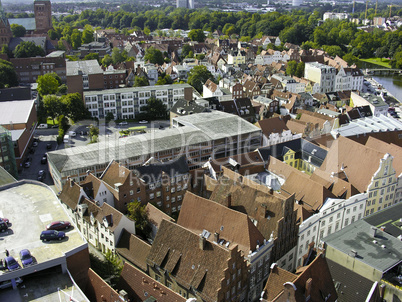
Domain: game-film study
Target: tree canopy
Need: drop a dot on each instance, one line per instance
(27, 49)
(47, 84)
(140, 81)
(154, 56)
(197, 35)
(155, 109)
(18, 30)
(198, 76)
(8, 76)
(74, 106)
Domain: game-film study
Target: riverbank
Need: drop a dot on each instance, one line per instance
(388, 97)
(378, 61)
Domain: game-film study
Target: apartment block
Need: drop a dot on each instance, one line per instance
(126, 103)
(322, 74)
(84, 75)
(29, 69)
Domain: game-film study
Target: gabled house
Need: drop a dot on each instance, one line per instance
(237, 57)
(210, 89)
(229, 227)
(194, 266)
(313, 283)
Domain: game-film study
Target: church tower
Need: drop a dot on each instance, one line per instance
(43, 15)
(5, 30)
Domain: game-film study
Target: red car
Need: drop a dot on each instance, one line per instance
(5, 220)
(58, 225)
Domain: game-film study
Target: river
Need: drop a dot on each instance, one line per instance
(392, 83)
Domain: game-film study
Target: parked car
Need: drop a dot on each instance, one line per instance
(42, 126)
(3, 226)
(26, 257)
(42, 177)
(7, 283)
(143, 122)
(11, 263)
(52, 235)
(43, 160)
(4, 220)
(48, 146)
(123, 123)
(35, 144)
(27, 164)
(72, 133)
(58, 225)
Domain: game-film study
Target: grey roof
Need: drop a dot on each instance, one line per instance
(16, 112)
(349, 285)
(328, 112)
(83, 67)
(39, 41)
(369, 124)
(356, 237)
(28, 23)
(389, 218)
(153, 173)
(374, 100)
(183, 107)
(16, 134)
(138, 89)
(15, 93)
(56, 54)
(202, 127)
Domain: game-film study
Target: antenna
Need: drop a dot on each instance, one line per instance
(375, 12)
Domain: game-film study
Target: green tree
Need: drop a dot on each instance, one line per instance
(109, 117)
(140, 81)
(197, 35)
(92, 56)
(185, 50)
(27, 49)
(74, 106)
(300, 70)
(62, 90)
(198, 76)
(52, 105)
(87, 35)
(138, 213)
(155, 109)
(350, 59)
(8, 76)
(118, 56)
(291, 68)
(333, 50)
(93, 133)
(76, 39)
(154, 56)
(107, 60)
(47, 84)
(18, 30)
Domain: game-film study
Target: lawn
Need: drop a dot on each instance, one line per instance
(377, 61)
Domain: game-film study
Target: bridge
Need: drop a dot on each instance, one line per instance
(382, 71)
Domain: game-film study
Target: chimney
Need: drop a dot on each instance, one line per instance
(308, 287)
(216, 237)
(202, 242)
(353, 253)
(230, 200)
(373, 231)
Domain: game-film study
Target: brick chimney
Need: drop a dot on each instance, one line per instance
(229, 200)
(201, 242)
(308, 287)
(216, 237)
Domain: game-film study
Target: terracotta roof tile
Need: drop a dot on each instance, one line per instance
(133, 249)
(141, 287)
(155, 216)
(198, 214)
(272, 125)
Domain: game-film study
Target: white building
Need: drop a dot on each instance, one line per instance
(377, 105)
(333, 216)
(126, 103)
(322, 74)
(289, 83)
(336, 16)
(349, 79)
(152, 73)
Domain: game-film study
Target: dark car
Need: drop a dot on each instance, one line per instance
(161, 127)
(43, 160)
(48, 146)
(52, 235)
(58, 225)
(3, 226)
(35, 144)
(41, 175)
(11, 263)
(26, 257)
